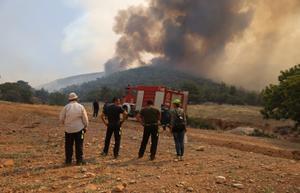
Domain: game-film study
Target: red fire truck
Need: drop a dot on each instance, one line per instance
(137, 96)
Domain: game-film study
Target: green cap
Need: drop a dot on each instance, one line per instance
(176, 101)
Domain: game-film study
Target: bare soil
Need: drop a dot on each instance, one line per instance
(31, 137)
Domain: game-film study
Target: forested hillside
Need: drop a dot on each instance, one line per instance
(201, 90)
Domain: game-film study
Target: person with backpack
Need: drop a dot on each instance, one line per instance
(149, 118)
(111, 118)
(75, 120)
(178, 127)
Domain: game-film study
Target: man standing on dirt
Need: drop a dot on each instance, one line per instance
(178, 127)
(149, 118)
(111, 118)
(95, 108)
(75, 120)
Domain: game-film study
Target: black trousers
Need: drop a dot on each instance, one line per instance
(179, 142)
(70, 138)
(113, 128)
(95, 114)
(153, 131)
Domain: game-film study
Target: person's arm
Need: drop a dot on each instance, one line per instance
(85, 119)
(103, 118)
(124, 116)
(158, 116)
(185, 121)
(62, 116)
(172, 120)
(140, 118)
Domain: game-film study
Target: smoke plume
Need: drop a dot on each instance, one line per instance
(245, 43)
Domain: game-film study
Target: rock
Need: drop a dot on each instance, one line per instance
(200, 148)
(239, 186)
(90, 175)
(179, 185)
(83, 170)
(91, 187)
(8, 163)
(220, 179)
(132, 182)
(42, 188)
(293, 161)
(119, 179)
(118, 189)
(242, 131)
(190, 189)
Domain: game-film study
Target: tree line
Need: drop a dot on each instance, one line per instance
(22, 92)
(281, 101)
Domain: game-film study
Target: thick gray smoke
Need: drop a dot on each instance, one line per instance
(195, 35)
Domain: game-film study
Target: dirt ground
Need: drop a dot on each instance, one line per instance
(32, 157)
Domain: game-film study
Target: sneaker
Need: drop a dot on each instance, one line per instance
(181, 158)
(140, 157)
(80, 163)
(103, 154)
(177, 158)
(116, 156)
(68, 164)
(152, 158)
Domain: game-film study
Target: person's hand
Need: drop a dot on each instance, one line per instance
(84, 130)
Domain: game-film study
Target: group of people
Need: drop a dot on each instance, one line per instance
(75, 120)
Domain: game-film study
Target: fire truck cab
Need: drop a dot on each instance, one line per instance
(137, 96)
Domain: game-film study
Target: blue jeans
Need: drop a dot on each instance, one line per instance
(179, 142)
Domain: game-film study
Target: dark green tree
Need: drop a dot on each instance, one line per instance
(42, 95)
(57, 98)
(282, 101)
(194, 91)
(16, 92)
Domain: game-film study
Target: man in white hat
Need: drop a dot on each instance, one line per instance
(75, 120)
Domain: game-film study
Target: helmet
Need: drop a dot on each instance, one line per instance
(176, 101)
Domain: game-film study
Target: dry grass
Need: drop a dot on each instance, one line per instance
(249, 115)
(38, 154)
(26, 113)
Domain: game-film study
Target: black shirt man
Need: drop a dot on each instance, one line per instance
(111, 118)
(149, 117)
(95, 108)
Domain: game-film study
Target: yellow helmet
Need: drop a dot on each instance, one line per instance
(176, 101)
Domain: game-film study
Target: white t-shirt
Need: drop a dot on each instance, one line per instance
(74, 117)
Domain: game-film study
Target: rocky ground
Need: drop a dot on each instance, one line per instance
(32, 156)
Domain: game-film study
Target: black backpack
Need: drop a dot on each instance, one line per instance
(179, 122)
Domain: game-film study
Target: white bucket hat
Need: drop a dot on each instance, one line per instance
(73, 96)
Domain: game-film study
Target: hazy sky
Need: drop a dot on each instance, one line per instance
(42, 40)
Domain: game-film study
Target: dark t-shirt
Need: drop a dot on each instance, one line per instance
(112, 112)
(150, 115)
(96, 105)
